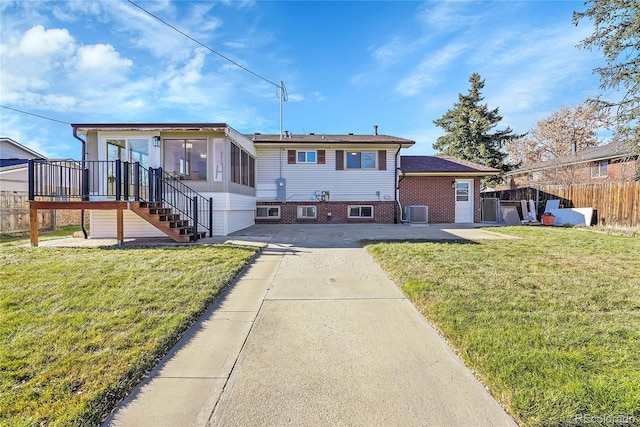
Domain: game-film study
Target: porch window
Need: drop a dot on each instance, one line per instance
(599, 169)
(186, 158)
(243, 167)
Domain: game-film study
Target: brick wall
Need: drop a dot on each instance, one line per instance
(623, 170)
(383, 212)
(69, 217)
(437, 193)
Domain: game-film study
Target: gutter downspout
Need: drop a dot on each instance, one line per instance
(83, 183)
(396, 182)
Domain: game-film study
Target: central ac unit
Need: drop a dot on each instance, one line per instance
(417, 214)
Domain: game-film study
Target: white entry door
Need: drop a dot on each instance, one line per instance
(464, 200)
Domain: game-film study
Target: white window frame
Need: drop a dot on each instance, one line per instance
(267, 210)
(302, 210)
(306, 156)
(359, 207)
(597, 169)
(374, 154)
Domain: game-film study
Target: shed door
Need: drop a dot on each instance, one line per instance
(464, 200)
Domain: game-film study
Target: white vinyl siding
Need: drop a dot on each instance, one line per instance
(302, 183)
(231, 212)
(103, 225)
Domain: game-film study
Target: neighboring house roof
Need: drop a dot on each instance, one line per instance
(314, 139)
(13, 150)
(443, 166)
(612, 151)
(12, 162)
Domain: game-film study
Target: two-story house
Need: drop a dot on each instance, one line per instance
(327, 178)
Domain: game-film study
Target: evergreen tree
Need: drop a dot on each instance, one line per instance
(468, 127)
(617, 35)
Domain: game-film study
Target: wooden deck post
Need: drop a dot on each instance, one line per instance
(33, 224)
(120, 226)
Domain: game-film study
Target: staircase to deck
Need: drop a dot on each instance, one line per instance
(162, 200)
(167, 220)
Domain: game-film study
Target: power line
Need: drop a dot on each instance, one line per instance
(279, 86)
(35, 115)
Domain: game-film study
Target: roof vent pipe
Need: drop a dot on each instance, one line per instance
(375, 129)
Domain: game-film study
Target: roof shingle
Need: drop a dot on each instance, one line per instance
(443, 164)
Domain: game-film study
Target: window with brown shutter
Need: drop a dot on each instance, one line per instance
(339, 160)
(291, 157)
(321, 157)
(382, 160)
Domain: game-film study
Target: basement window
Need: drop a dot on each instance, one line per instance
(365, 211)
(268, 212)
(307, 212)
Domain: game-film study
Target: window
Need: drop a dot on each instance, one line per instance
(599, 169)
(360, 211)
(306, 156)
(243, 167)
(235, 163)
(361, 160)
(462, 191)
(307, 212)
(268, 212)
(186, 158)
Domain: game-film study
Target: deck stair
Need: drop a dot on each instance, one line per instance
(166, 220)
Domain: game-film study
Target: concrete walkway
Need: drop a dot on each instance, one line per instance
(313, 333)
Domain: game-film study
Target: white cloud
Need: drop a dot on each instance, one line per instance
(295, 97)
(104, 59)
(44, 44)
(428, 71)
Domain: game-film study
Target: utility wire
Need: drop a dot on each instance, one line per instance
(35, 115)
(279, 86)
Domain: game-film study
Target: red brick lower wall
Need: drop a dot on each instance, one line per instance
(436, 193)
(383, 212)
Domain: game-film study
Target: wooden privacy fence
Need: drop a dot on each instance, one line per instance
(616, 204)
(14, 213)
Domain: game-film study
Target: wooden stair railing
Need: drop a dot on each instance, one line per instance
(165, 220)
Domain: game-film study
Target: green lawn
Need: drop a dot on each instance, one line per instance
(63, 231)
(549, 322)
(79, 327)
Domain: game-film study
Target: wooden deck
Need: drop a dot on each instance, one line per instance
(118, 206)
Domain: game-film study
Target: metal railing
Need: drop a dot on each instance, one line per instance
(68, 180)
(171, 191)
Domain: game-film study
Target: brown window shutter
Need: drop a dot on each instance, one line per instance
(339, 160)
(321, 157)
(382, 160)
(291, 157)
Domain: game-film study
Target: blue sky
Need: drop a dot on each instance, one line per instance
(346, 65)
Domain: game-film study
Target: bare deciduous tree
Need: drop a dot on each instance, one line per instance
(553, 137)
